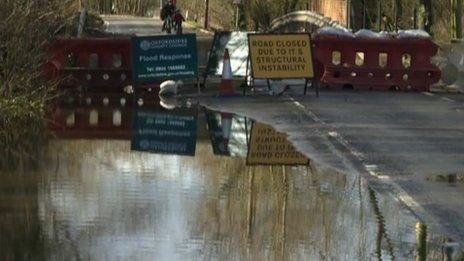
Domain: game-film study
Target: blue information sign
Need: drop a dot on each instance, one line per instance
(166, 132)
(162, 57)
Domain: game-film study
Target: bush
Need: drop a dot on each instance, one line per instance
(25, 28)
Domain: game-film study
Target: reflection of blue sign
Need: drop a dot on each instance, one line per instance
(164, 57)
(168, 132)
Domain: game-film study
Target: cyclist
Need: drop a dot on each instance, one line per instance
(166, 15)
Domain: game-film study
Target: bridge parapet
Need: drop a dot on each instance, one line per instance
(303, 21)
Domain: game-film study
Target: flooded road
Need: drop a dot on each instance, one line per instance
(93, 198)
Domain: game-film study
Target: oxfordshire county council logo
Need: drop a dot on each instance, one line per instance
(144, 144)
(145, 45)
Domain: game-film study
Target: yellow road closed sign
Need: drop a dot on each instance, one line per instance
(269, 147)
(280, 56)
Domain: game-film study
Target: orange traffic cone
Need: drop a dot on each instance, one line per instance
(226, 87)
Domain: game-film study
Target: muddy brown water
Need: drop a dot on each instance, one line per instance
(93, 198)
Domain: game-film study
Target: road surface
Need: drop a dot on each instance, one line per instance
(127, 25)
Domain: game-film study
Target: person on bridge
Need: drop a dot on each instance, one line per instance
(166, 14)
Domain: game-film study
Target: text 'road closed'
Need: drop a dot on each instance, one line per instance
(281, 56)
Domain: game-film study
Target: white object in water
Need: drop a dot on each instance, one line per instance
(170, 87)
(278, 87)
(169, 102)
(128, 89)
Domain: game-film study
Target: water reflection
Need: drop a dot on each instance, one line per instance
(171, 131)
(22, 137)
(229, 133)
(20, 228)
(269, 147)
(97, 199)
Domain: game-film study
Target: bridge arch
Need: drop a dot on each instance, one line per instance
(302, 21)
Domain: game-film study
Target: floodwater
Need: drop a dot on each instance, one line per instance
(124, 182)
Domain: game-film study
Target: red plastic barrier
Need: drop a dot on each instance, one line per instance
(376, 63)
(90, 62)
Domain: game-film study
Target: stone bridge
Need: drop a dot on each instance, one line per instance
(302, 21)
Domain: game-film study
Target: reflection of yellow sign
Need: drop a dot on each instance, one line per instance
(268, 147)
(281, 55)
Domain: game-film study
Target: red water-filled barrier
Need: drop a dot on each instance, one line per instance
(90, 62)
(375, 63)
(340, 61)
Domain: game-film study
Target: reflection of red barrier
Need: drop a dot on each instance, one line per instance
(90, 62)
(97, 115)
(376, 63)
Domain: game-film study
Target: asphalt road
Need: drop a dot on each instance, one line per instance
(127, 25)
(405, 144)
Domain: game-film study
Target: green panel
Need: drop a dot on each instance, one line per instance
(158, 58)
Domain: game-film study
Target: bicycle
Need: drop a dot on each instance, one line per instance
(167, 25)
